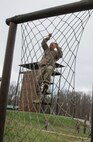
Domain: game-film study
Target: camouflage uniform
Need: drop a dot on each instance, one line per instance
(47, 63)
(78, 126)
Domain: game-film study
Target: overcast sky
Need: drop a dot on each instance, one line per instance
(84, 69)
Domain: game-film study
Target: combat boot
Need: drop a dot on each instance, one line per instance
(45, 88)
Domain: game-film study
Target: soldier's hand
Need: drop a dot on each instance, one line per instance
(49, 34)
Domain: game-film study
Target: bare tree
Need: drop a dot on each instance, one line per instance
(11, 93)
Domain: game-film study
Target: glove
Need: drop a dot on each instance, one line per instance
(49, 34)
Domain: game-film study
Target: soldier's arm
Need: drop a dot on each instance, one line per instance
(44, 42)
(60, 52)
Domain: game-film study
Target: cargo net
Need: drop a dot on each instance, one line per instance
(51, 118)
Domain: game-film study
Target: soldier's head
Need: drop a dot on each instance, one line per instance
(53, 45)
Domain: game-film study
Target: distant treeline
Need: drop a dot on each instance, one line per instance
(66, 103)
(75, 104)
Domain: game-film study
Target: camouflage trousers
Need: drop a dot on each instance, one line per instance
(43, 76)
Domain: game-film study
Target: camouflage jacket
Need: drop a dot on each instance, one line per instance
(50, 55)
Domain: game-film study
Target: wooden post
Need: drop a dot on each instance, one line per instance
(6, 76)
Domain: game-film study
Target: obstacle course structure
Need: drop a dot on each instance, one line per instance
(66, 23)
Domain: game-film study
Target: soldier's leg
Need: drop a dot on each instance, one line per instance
(47, 77)
(39, 80)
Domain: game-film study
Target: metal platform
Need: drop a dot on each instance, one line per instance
(34, 66)
(55, 73)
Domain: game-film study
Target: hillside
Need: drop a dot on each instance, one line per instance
(30, 127)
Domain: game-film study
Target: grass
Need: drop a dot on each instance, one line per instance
(30, 127)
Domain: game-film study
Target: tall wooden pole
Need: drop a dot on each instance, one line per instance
(92, 117)
(6, 76)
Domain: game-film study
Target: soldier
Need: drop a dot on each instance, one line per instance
(78, 126)
(52, 53)
(85, 127)
(46, 124)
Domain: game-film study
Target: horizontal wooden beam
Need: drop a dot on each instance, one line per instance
(54, 11)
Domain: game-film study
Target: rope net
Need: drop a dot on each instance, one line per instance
(52, 119)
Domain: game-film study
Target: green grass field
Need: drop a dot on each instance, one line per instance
(30, 127)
